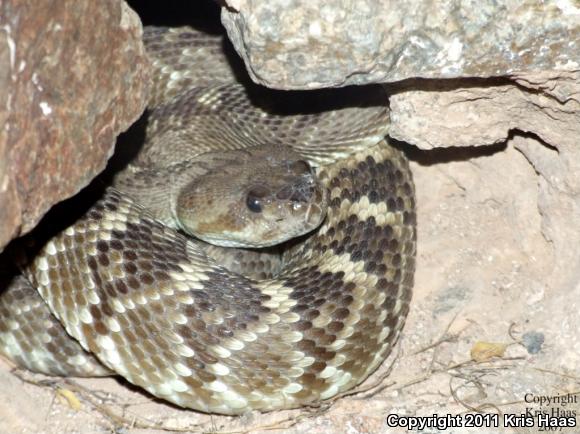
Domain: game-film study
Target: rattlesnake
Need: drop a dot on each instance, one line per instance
(153, 307)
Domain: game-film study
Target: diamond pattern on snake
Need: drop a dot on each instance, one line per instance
(257, 254)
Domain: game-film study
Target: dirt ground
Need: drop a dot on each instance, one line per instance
(482, 262)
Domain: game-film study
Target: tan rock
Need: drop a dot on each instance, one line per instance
(433, 114)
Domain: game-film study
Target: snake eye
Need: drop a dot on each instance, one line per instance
(255, 198)
(300, 167)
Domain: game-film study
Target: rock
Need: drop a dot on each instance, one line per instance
(432, 114)
(73, 75)
(533, 341)
(300, 44)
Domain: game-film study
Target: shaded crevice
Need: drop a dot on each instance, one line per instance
(203, 15)
(531, 135)
(445, 85)
(430, 157)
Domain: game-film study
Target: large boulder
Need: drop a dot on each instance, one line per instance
(73, 75)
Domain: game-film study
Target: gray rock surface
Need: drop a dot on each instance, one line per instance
(301, 44)
(73, 75)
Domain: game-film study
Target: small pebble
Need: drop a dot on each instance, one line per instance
(533, 341)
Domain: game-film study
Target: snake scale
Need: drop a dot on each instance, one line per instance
(146, 302)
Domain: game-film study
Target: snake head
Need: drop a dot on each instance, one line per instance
(255, 197)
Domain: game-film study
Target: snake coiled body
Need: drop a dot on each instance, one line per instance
(150, 304)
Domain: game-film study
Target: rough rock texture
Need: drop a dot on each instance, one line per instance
(434, 114)
(301, 44)
(73, 75)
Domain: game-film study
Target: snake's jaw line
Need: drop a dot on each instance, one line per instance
(145, 301)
